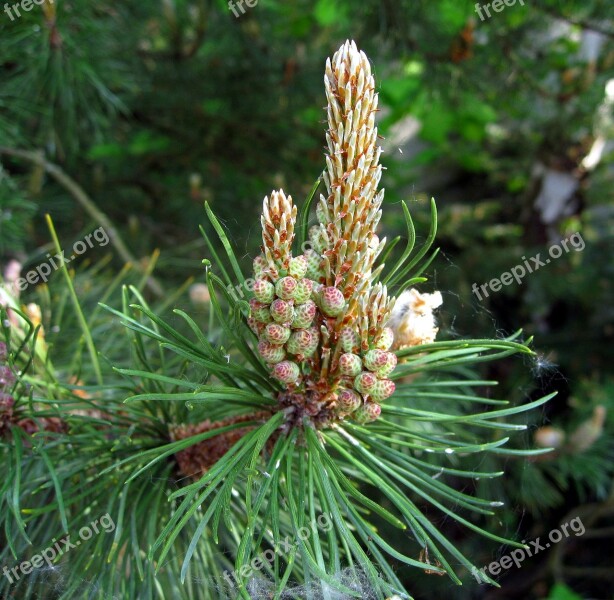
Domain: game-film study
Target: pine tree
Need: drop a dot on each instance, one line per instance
(276, 446)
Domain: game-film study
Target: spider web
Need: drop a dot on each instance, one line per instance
(47, 583)
(260, 588)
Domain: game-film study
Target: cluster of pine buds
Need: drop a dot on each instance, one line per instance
(321, 316)
(283, 310)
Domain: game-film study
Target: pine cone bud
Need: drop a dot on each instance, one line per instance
(304, 314)
(303, 291)
(282, 311)
(264, 291)
(286, 287)
(260, 266)
(300, 342)
(276, 333)
(314, 340)
(313, 265)
(332, 301)
(350, 340)
(271, 353)
(384, 388)
(260, 312)
(256, 326)
(380, 362)
(287, 371)
(350, 364)
(375, 360)
(298, 267)
(348, 401)
(365, 382)
(389, 367)
(385, 339)
(367, 412)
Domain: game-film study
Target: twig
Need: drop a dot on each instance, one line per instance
(81, 196)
